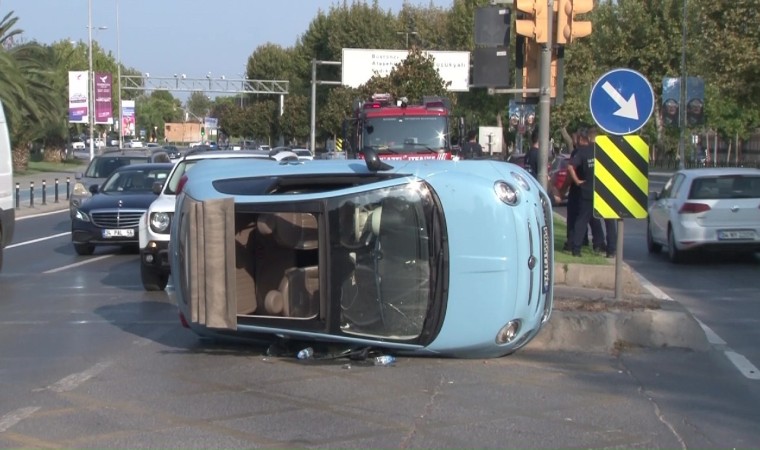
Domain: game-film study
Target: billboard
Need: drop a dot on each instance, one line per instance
(79, 99)
(103, 108)
(127, 117)
(359, 65)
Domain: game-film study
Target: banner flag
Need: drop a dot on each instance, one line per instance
(78, 98)
(103, 108)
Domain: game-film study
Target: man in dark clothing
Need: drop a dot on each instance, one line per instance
(581, 173)
(531, 158)
(471, 149)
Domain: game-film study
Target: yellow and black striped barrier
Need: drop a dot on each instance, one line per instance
(621, 177)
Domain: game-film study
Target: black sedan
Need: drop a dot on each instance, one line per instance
(112, 215)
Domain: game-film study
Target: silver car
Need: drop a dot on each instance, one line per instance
(715, 209)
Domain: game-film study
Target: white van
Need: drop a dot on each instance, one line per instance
(7, 212)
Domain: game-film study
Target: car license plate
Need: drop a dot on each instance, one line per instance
(128, 232)
(736, 234)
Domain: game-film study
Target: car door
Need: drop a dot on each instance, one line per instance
(661, 209)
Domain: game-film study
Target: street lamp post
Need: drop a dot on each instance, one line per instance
(118, 76)
(91, 81)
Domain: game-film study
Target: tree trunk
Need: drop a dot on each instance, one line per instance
(20, 156)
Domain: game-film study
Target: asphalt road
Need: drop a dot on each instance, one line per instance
(88, 359)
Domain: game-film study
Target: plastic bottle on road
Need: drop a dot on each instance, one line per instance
(306, 353)
(384, 360)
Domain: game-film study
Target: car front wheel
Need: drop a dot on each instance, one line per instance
(152, 280)
(652, 246)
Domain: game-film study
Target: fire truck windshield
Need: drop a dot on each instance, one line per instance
(413, 134)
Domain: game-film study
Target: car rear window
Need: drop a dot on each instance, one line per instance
(104, 166)
(722, 187)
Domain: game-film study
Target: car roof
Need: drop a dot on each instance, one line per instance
(217, 154)
(145, 166)
(719, 171)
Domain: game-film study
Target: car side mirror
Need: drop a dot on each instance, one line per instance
(94, 189)
(157, 186)
(654, 196)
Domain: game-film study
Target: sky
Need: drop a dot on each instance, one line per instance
(167, 37)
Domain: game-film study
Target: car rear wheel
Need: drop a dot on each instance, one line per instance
(675, 255)
(152, 280)
(652, 246)
(84, 249)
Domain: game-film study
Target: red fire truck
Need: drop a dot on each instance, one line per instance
(398, 130)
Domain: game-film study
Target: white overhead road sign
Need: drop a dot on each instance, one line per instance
(360, 64)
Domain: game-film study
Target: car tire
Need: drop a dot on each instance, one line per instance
(676, 256)
(84, 249)
(652, 246)
(152, 280)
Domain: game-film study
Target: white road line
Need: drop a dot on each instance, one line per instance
(712, 337)
(72, 381)
(34, 241)
(745, 367)
(80, 263)
(41, 214)
(14, 417)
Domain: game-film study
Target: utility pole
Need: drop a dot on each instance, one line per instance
(544, 101)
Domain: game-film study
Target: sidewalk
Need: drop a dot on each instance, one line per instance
(28, 184)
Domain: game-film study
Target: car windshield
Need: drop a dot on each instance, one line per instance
(722, 187)
(138, 181)
(104, 166)
(383, 251)
(412, 134)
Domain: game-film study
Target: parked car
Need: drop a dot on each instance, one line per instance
(303, 153)
(418, 257)
(78, 145)
(706, 209)
(103, 165)
(112, 215)
(558, 173)
(156, 222)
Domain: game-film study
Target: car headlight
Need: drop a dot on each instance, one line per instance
(81, 215)
(160, 222)
(506, 192)
(81, 190)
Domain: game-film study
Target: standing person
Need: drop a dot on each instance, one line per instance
(531, 157)
(471, 149)
(581, 174)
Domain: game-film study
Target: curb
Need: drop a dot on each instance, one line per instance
(646, 317)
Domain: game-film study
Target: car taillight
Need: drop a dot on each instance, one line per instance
(693, 208)
(181, 183)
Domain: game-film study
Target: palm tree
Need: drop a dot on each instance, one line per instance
(27, 90)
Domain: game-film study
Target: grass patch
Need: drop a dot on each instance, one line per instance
(69, 165)
(560, 256)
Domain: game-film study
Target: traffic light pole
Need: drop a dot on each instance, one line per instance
(544, 101)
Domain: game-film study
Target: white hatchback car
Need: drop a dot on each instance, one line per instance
(712, 209)
(155, 224)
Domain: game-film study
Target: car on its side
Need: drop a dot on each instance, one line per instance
(429, 257)
(103, 165)
(112, 215)
(715, 209)
(156, 222)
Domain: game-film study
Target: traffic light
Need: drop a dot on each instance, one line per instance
(203, 131)
(534, 23)
(569, 27)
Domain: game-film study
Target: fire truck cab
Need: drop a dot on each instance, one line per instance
(399, 130)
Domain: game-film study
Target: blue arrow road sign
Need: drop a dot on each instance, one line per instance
(621, 101)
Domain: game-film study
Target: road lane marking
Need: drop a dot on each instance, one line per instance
(654, 290)
(712, 337)
(80, 263)
(72, 381)
(32, 216)
(34, 241)
(745, 367)
(14, 417)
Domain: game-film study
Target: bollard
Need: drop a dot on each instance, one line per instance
(44, 192)
(18, 196)
(31, 194)
(68, 185)
(56, 190)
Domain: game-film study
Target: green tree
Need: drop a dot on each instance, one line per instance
(198, 104)
(295, 121)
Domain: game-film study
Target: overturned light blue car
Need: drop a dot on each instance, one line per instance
(449, 258)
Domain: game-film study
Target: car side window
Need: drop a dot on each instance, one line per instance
(677, 184)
